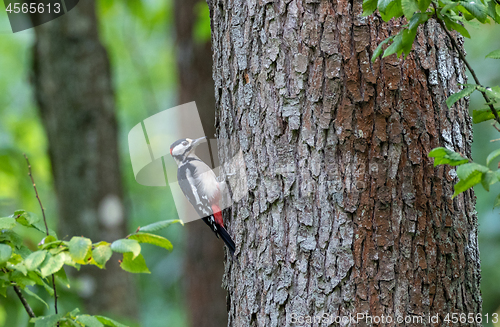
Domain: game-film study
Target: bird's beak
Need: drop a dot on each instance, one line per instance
(199, 141)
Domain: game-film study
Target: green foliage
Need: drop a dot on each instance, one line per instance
(469, 173)
(466, 91)
(22, 267)
(494, 54)
(133, 264)
(152, 239)
(154, 227)
(446, 156)
(452, 16)
(481, 115)
(74, 319)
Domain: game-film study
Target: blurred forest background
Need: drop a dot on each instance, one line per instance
(142, 44)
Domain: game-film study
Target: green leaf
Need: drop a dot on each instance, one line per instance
(369, 7)
(73, 313)
(40, 226)
(22, 250)
(452, 25)
(109, 322)
(19, 267)
(465, 170)
(389, 9)
(409, 8)
(488, 178)
(7, 223)
(478, 116)
(492, 156)
(62, 277)
(383, 4)
(47, 240)
(125, 245)
(52, 264)
(79, 247)
(89, 321)
(47, 321)
(464, 185)
(33, 294)
(378, 50)
(159, 225)
(445, 156)
(396, 46)
(39, 281)
(26, 218)
(68, 260)
(408, 37)
(152, 239)
(10, 236)
(417, 20)
(459, 95)
(477, 9)
(21, 280)
(102, 254)
(497, 201)
(494, 54)
(135, 265)
(492, 12)
(35, 259)
(5, 252)
(493, 92)
(68, 322)
(423, 5)
(447, 8)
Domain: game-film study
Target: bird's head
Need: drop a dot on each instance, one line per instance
(181, 149)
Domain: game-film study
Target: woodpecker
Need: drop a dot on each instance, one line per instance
(200, 186)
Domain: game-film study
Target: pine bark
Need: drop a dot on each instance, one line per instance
(205, 297)
(72, 81)
(345, 213)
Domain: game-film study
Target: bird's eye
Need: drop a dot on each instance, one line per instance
(185, 143)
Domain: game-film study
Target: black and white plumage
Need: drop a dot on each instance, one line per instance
(200, 186)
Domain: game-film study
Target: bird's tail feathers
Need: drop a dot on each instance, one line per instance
(227, 239)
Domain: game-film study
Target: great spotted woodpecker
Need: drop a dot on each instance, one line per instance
(200, 186)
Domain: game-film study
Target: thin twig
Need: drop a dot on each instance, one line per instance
(473, 73)
(36, 193)
(495, 127)
(55, 294)
(46, 227)
(24, 302)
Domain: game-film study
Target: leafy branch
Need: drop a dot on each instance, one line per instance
(21, 267)
(464, 60)
(451, 15)
(46, 226)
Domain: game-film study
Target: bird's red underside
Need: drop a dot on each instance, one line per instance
(217, 215)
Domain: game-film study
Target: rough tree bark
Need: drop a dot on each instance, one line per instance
(345, 212)
(72, 82)
(206, 299)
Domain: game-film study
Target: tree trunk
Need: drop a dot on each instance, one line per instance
(345, 213)
(206, 299)
(73, 88)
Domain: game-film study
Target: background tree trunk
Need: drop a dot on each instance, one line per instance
(345, 213)
(73, 88)
(206, 299)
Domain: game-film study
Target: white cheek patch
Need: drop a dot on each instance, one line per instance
(178, 150)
